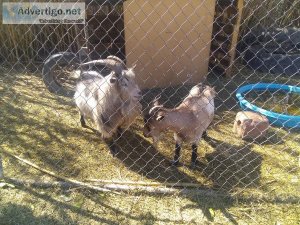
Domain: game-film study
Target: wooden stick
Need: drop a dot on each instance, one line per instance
(141, 183)
(105, 185)
(188, 192)
(65, 184)
(115, 187)
(1, 169)
(75, 182)
(40, 184)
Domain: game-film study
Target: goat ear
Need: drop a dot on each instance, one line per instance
(249, 120)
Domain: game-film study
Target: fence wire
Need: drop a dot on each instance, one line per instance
(172, 45)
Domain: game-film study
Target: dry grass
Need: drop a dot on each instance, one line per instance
(30, 206)
(45, 129)
(266, 14)
(32, 41)
(35, 42)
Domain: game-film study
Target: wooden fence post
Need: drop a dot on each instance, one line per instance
(1, 168)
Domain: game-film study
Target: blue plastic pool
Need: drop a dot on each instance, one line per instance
(277, 119)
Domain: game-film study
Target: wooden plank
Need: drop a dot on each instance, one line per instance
(235, 34)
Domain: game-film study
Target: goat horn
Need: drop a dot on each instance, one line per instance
(155, 108)
(155, 101)
(156, 98)
(117, 59)
(112, 63)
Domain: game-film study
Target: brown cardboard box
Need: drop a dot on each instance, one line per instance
(168, 40)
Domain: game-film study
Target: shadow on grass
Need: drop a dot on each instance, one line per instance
(271, 138)
(140, 156)
(26, 215)
(150, 163)
(23, 215)
(227, 168)
(12, 214)
(232, 166)
(206, 204)
(25, 130)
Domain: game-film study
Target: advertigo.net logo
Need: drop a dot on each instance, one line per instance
(43, 13)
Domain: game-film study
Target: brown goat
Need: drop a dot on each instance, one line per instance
(188, 121)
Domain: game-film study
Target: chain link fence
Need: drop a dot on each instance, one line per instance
(173, 45)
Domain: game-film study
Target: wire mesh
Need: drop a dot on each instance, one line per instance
(173, 45)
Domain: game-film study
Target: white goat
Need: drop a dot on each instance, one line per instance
(188, 121)
(112, 102)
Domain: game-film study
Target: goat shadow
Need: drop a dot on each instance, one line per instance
(230, 166)
(239, 167)
(139, 155)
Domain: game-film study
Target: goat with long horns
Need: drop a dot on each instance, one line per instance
(111, 102)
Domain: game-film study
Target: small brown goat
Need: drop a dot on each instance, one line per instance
(188, 121)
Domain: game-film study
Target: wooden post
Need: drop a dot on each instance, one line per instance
(235, 34)
(1, 169)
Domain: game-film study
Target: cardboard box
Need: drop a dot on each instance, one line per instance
(168, 40)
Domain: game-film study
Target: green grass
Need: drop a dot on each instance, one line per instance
(45, 129)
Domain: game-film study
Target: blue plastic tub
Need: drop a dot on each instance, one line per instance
(277, 119)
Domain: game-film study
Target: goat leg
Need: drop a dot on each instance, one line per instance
(82, 121)
(204, 135)
(194, 156)
(175, 161)
(119, 132)
(155, 141)
(110, 142)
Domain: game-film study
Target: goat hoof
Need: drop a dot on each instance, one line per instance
(114, 150)
(120, 132)
(193, 165)
(205, 136)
